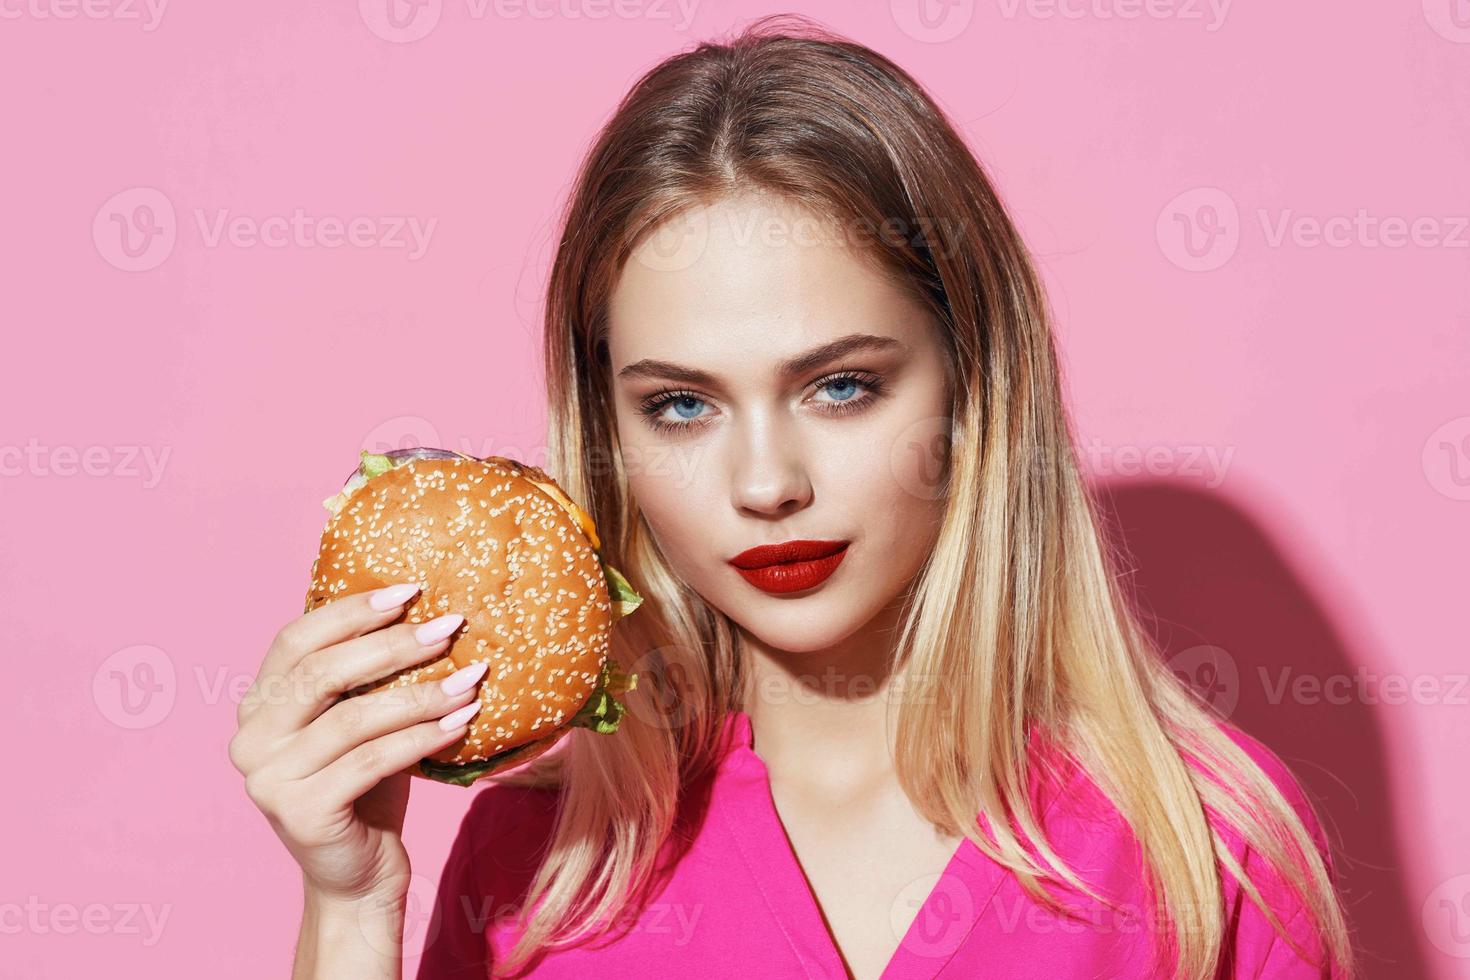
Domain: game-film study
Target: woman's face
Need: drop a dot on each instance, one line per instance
(735, 435)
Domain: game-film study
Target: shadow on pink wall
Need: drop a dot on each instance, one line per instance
(1208, 580)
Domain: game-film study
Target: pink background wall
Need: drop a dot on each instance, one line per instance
(1252, 219)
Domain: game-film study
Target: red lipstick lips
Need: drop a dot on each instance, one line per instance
(791, 566)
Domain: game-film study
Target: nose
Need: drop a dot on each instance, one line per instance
(769, 476)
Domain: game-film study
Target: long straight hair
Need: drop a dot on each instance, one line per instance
(1017, 607)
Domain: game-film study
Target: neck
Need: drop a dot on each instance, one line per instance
(822, 717)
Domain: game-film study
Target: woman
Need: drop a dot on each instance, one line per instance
(788, 306)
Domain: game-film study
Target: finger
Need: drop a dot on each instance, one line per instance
(319, 678)
(353, 721)
(340, 619)
(364, 767)
(333, 622)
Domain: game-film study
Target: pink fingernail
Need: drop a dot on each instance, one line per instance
(459, 716)
(437, 629)
(463, 679)
(394, 595)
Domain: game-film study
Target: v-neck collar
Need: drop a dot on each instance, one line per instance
(949, 912)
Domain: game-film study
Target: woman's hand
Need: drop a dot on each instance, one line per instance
(328, 773)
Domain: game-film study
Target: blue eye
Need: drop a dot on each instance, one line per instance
(679, 405)
(845, 389)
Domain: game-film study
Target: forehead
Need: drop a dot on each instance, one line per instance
(747, 282)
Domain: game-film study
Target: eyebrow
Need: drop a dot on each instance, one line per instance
(800, 364)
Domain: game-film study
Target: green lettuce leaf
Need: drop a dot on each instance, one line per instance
(462, 774)
(374, 464)
(602, 714)
(603, 711)
(624, 598)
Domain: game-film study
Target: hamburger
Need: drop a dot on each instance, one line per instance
(499, 542)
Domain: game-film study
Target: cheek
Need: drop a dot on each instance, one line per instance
(670, 486)
(918, 448)
(901, 474)
(915, 462)
(898, 459)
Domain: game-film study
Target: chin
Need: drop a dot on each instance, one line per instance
(801, 625)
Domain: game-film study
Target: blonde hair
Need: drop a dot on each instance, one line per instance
(1017, 607)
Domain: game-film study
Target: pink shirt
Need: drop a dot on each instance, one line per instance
(736, 901)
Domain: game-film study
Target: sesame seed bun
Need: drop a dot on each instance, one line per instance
(500, 543)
